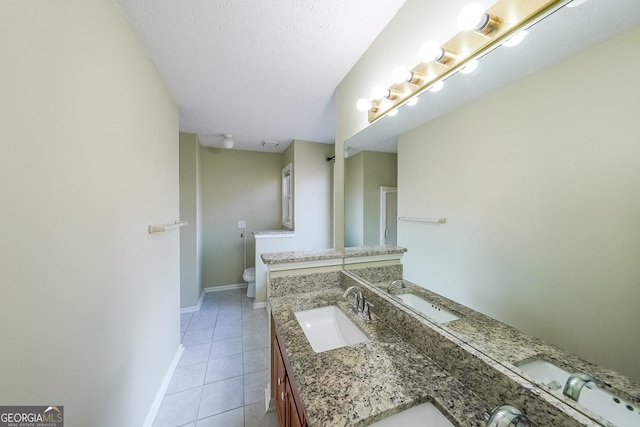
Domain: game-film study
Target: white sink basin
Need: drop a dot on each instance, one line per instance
(428, 309)
(601, 402)
(328, 327)
(424, 414)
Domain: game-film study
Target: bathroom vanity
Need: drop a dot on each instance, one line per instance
(287, 402)
(406, 359)
(364, 382)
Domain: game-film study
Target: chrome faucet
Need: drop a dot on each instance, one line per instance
(358, 297)
(576, 382)
(507, 415)
(361, 306)
(395, 282)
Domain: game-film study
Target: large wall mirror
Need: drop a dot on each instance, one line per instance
(555, 251)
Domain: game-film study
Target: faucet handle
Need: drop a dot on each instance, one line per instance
(357, 301)
(367, 310)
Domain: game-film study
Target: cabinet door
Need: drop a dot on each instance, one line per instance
(296, 419)
(281, 388)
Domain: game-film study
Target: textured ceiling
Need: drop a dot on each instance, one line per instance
(259, 69)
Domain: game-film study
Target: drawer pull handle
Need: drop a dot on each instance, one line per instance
(282, 395)
(279, 381)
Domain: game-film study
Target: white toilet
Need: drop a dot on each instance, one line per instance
(249, 276)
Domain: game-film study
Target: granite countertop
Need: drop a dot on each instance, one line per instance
(511, 346)
(272, 258)
(361, 251)
(363, 383)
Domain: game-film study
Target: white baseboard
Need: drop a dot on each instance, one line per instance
(257, 305)
(226, 287)
(194, 307)
(153, 411)
(269, 404)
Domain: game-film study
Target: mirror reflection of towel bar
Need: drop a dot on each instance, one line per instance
(433, 220)
(166, 227)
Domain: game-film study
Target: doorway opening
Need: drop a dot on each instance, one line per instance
(388, 215)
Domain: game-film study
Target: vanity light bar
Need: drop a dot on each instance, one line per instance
(503, 19)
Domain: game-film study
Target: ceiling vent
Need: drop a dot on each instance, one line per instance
(270, 144)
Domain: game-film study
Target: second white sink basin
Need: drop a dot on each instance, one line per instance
(327, 328)
(601, 402)
(424, 414)
(428, 309)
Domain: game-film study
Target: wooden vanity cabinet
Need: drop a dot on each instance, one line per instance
(280, 385)
(290, 413)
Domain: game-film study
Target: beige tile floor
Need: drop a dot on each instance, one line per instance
(224, 369)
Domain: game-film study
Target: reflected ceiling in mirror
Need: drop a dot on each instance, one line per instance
(565, 33)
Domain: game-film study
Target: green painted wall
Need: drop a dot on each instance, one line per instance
(191, 286)
(89, 300)
(354, 200)
(313, 194)
(365, 173)
(236, 185)
(380, 170)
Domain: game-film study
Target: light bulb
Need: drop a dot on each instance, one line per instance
(431, 51)
(437, 86)
(363, 104)
(392, 112)
(515, 39)
(472, 16)
(470, 67)
(400, 75)
(379, 92)
(413, 101)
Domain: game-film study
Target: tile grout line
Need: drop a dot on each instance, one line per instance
(241, 304)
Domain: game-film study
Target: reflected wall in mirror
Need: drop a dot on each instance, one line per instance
(365, 174)
(539, 183)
